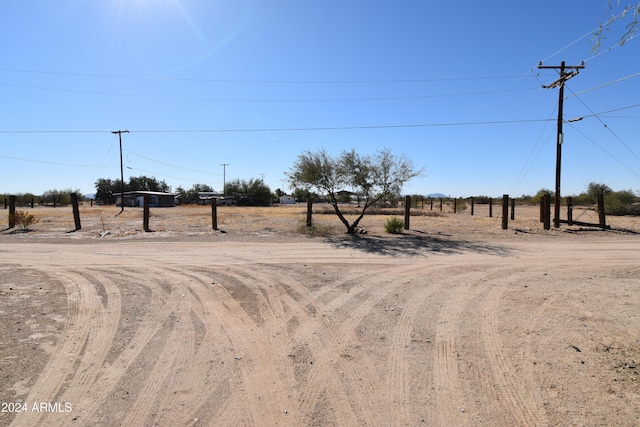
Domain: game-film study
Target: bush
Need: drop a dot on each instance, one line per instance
(621, 203)
(394, 225)
(315, 230)
(24, 219)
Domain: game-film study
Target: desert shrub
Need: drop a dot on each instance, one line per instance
(461, 205)
(535, 200)
(394, 225)
(583, 199)
(621, 203)
(24, 219)
(482, 200)
(315, 230)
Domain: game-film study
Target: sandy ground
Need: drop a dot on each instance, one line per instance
(453, 323)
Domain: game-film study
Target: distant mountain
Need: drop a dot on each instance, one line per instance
(437, 196)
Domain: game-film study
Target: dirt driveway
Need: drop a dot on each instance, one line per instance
(424, 329)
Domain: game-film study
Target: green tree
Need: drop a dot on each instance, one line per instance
(302, 194)
(59, 197)
(192, 196)
(373, 177)
(145, 183)
(249, 193)
(535, 200)
(106, 190)
(623, 202)
(594, 188)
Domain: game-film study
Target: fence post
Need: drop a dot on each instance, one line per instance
(455, 204)
(505, 211)
(440, 204)
(32, 203)
(547, 211)
(407, 211)
(145, 214)
(542, 208)
(472, 205)
(490, 207)
(430, 201)
(513, 209)
(601, 213)
(214, 213)
(309, 211)
(76, 211)
(12, 211)
(570, 210)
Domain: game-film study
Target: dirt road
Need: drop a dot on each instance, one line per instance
(421, 331)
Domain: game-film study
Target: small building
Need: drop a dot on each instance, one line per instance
(157, 199)
(287, 200)
(206, 198)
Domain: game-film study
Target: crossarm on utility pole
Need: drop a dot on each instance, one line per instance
(564, 76)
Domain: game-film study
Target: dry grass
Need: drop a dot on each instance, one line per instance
(290, 220)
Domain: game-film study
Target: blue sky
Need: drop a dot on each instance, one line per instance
(201, 83)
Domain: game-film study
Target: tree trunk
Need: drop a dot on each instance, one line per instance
(342, 218)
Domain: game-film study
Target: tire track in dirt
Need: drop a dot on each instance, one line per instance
(398, 361)
(272, 336)
(82, 306)
(170, 375)
(521, 402)
(105, 321)
(352, 404)
(175, 354)
(207, 378)
(162, 305)
(449, 399)
(255, 355)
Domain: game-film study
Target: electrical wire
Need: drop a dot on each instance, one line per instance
(292, 129)
(529, 164)
(256, 100)
(604, 150)
(362, 81)
(170, 165)
(54, 163)
(604, 85)
(605, 125)
(159, 174)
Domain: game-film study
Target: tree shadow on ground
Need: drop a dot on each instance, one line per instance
(415, 245)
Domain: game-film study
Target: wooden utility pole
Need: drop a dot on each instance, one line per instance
(564, 76)
(120, 132)
(224, 178)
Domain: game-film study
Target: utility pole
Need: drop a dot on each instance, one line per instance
(564, 76)
(120, 132)
(224, 177)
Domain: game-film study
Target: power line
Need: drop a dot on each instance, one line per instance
(604, 85)
(606, 127)
(528, 164)
(55, 163)
(293, 129)
(169, 164)
(272, 100)
(357, 81)
(603, 149)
